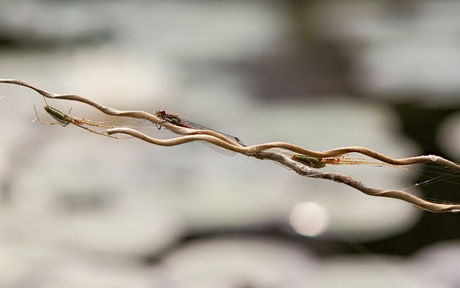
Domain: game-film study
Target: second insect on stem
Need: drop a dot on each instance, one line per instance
(65, 119)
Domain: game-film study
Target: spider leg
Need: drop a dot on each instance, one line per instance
(80, 123)
(100, 123)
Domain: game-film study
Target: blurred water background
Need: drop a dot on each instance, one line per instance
(81, 210)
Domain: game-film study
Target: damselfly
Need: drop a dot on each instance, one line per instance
(181, 122)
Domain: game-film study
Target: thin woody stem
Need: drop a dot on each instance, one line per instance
(114, 112)
(264, 152)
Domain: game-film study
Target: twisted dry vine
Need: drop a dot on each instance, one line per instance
(265, 151)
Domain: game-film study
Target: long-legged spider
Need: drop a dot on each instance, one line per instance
(65, 119)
